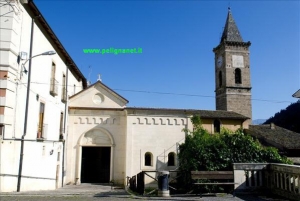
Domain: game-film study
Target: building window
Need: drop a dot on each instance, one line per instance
(63, 89)
(58, 156)
(74, 89)
(171, 159)
(217, 126)
(61, 126)
(238, 76)
(148, 159)
(41, 121)
(220, 78)
(1, 129)
(53, 81)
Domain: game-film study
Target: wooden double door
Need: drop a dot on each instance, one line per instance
(95, 164)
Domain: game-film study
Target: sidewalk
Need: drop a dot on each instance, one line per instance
(83, 189)
(100, 191)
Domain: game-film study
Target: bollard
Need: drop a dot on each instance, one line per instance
(163, 184)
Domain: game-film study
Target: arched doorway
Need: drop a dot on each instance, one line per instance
(95, 164)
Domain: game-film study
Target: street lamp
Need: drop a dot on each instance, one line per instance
(42, 54)
(26, 111)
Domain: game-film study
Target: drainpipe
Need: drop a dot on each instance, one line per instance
(65, 120)
(26, 109)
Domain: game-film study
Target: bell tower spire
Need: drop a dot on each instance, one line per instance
(231, 32)
(232, 71)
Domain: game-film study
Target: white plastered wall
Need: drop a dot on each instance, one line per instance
(40, 158)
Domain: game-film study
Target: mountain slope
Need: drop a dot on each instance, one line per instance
(288, 118)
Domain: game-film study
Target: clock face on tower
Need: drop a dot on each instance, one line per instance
(219, 61)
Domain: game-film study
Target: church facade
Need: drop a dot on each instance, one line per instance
(108, 141)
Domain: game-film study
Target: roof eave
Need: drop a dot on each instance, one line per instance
(33, 11)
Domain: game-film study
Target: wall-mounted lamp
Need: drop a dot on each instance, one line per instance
(23, 55)
(43, 54)
(25, 70)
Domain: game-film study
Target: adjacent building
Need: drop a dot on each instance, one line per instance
(25, 35)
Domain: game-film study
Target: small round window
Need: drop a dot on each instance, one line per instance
(98, 99)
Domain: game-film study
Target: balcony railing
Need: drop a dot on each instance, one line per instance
(63, 95)
(279, 179)
(42, 134)
(53, 87)
(285, 180)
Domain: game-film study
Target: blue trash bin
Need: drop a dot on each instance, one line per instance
(163, 184)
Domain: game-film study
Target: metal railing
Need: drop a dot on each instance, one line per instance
(53, 87)
(139, 182)
(63, 95)
(42, 135)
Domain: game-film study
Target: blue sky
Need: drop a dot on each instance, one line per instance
(177, 38)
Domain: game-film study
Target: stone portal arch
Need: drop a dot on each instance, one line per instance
(97, 137)
(95, 140)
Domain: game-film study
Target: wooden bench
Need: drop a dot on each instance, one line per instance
(213, 175)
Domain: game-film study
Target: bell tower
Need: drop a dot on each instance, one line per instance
(232, 71)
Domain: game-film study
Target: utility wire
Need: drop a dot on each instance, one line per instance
(176, 94)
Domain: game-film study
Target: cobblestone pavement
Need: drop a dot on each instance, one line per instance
(89, 192)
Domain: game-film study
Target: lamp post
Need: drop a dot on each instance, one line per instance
(27, 97)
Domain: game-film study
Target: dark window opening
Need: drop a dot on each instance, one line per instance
(61, 126)
(148, 159)
(217, 126)
(53, 81)
(171, 159)
(220, 78)
(2, 129)
(63, 89)
(238, 76)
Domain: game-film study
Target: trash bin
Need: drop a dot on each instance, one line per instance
(163, 184)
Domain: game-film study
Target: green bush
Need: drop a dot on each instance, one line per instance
(206, 152)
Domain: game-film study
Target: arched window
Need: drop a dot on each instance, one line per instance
(171, 159)
(217, 126)
(148, 159)
(220, 78)
(238, 76)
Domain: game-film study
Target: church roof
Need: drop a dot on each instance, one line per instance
(231, 32)
(105, 86)
(215, 114)
(275, 136)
